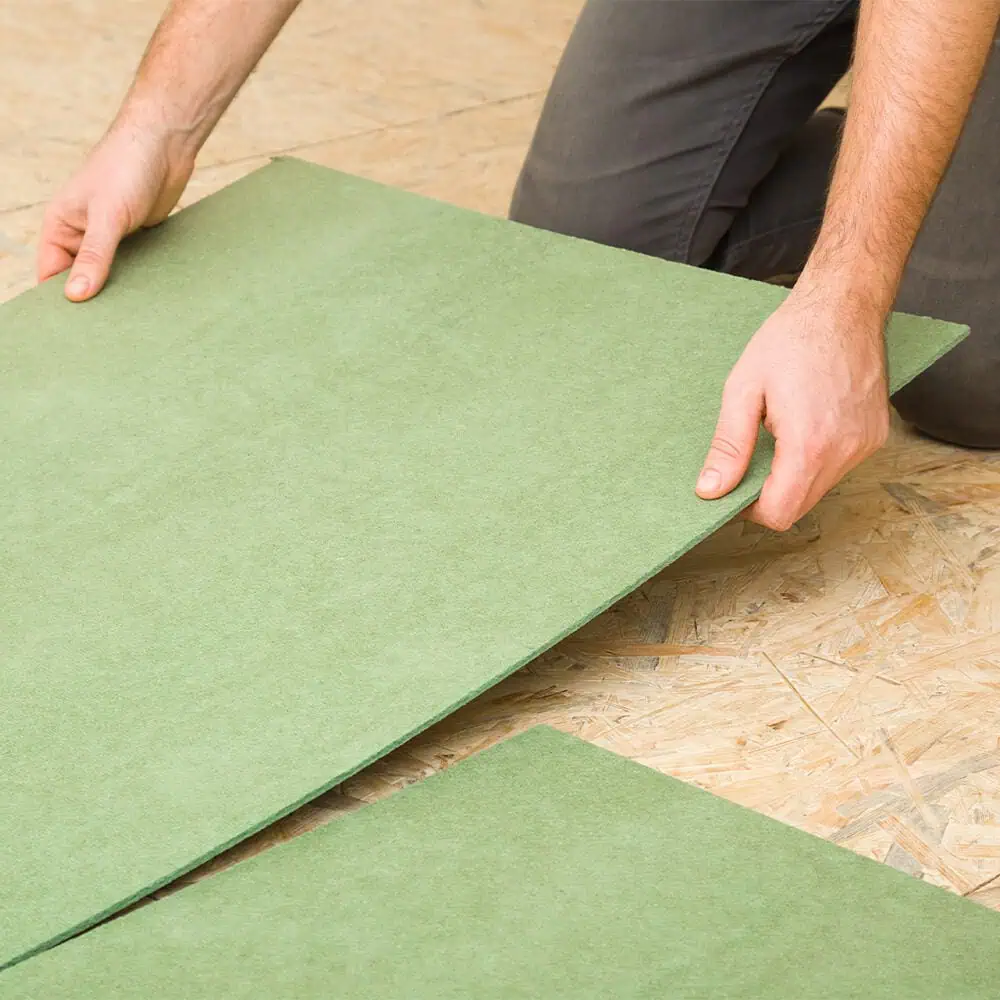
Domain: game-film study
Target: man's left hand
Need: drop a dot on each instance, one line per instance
(814, 375)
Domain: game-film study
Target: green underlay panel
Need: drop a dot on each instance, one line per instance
(323, 462)
(542, 868)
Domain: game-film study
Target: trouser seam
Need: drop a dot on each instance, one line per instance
(812, 222)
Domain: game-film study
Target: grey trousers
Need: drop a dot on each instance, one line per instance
(687, 129)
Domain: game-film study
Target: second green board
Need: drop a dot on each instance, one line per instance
(542, 868)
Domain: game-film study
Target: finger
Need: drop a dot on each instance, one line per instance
(820, 487)
(841, 462)
(783, 498)
(57, 246)
(53, 259)
(732, 446)
(93, 260)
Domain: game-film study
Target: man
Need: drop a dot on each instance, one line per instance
(686, 129)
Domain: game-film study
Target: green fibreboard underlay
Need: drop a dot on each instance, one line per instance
(544, 868)
(323, 462)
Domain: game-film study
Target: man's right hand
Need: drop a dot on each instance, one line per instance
(196, 61)
(128, 181)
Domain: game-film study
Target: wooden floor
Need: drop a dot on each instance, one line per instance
(844, 678)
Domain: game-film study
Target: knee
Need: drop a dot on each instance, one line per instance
(957, 399)
(602, 210)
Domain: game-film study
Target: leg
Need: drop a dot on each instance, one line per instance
(954, 273)
(773, 235)
(665, 116)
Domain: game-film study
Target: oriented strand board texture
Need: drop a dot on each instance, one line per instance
(325, 461)
(544, 867)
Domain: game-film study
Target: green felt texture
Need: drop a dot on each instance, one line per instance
(544, 867)
(322, 463)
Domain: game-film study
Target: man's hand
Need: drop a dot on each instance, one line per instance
(128, 181)
(196, 61)
(814, 374)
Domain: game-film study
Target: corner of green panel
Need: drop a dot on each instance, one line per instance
(544, 735)
(547, 739)
(283, 163)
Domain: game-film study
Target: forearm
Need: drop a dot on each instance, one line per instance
(197, 60)
(917, 64)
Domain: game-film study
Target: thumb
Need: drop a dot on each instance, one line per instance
(92, 264)
(735, 436)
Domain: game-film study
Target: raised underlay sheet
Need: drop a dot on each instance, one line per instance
(322, 463)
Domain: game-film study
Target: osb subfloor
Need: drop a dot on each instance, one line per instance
(844, 678)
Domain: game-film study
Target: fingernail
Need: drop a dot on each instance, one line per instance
(78, 286)
(709, 480)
